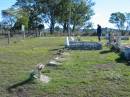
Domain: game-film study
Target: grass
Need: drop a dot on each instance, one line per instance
(83, 73)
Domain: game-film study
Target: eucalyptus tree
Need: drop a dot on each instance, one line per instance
(8, 17)
(64, 14)
(118, 19)
(18, 17)
(127, 15)
(32, 8)
(81, 13)
(8, 22)
(49, 9)
(74, 13)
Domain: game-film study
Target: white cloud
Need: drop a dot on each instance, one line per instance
(101, 19)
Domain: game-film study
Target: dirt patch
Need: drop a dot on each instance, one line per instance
(104, 66)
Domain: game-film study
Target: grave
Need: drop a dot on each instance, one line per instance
(36, 73)
(74, 44)
(125, 51)
(124, 37)
(115, 43)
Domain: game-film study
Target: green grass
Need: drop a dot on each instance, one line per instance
(83, 74)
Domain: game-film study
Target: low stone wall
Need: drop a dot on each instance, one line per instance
(78, 45)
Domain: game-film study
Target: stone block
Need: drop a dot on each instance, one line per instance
(124, 37)
(85, 45)
(125, 50)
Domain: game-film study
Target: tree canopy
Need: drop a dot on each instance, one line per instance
(33, 13)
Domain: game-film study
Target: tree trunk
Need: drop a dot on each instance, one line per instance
(52, 22)
(8, 37)
(64, 27)
(73, 28)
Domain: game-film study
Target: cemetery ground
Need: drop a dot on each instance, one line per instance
(83, 73)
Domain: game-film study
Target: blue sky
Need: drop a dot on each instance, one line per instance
(102, 9)
(4, 4)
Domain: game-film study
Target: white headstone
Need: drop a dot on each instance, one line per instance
(67, 42)
(23, 28)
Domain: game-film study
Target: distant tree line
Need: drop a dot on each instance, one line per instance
(34, 14)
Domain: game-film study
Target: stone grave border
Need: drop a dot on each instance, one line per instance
(73, 44)
(116, 45)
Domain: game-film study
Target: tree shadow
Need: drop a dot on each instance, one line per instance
(56, 49)
(28, 80)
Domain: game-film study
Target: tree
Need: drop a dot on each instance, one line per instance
(82, 13)
(75, 13)
(8, 21)
(127, 21)
(49, 9)
(118, 19)
(8, 17)
(32, 9)
(64, 12)
(17, 17)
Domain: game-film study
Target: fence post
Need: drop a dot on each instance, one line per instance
(8, 37)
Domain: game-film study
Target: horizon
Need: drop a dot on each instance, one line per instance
(102, 10)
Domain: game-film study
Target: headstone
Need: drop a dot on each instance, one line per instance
(23, 28)
(37, 71)
(67, 42)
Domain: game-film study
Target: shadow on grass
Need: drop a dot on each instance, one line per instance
(57, 49)
(106, 51)
(30, 79)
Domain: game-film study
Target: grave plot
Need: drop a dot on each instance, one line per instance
(58, 59)
(125, 51)
(74, 44)
(124, 37)
(115, 43)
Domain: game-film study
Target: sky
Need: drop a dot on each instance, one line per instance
(5, 4)
(102, 9)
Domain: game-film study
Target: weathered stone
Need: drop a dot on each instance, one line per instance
(59, 59)
(124, 37)
(44, 79)
(85, 45)
(53, 63)
(37, 71)
(125, 50)
(72, 43)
